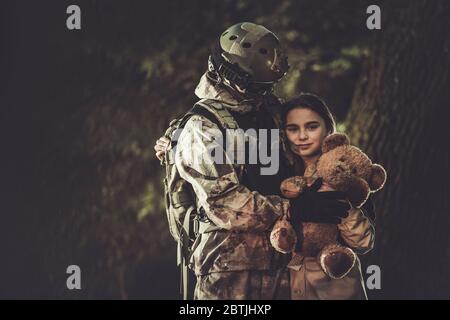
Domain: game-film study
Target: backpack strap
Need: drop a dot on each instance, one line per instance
(223, 116)
(214, 112)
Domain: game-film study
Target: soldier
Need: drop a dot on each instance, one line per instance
(232, 257)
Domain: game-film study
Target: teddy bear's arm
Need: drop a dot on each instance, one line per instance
(293, 186)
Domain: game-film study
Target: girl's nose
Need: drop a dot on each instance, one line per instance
(303, 135)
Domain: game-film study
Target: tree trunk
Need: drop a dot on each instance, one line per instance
(398, 117)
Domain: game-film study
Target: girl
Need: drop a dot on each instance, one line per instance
(307, 121)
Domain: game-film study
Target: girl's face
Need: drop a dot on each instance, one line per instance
(305, 130)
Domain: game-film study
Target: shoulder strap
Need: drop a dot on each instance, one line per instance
(222, 114)
(214, 112)
(202, 111)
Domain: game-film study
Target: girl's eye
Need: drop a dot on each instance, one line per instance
(291, 129)
(313, 127)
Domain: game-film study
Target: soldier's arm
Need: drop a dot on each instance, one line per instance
(358, 230)
(229, 204)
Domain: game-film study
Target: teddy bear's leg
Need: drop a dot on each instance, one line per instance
(336, 260)
(283, 237)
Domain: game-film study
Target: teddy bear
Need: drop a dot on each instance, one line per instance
(342, 167)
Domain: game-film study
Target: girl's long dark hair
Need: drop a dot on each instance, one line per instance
(314, 103)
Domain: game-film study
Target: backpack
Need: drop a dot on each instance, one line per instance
(182, 214)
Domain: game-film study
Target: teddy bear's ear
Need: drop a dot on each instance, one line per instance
(357, 191)
(334, 140)
(377, 177)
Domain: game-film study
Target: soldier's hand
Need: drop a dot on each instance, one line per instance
(161, 147)
(319, 207)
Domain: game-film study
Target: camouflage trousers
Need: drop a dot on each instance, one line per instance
(244, 285)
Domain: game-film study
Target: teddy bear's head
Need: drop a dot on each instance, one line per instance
(346, 168)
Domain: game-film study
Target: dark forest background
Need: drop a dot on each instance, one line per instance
(81, 111)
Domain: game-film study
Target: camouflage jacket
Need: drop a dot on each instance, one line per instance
(242, 217)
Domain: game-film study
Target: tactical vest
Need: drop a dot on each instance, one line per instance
(184, 220)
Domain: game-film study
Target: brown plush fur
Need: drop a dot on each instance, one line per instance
(342, 167)
(346, 168)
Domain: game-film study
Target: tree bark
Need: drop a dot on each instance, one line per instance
(398, 116)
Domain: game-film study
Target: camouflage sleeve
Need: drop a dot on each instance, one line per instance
(357, 231)
(229, 204)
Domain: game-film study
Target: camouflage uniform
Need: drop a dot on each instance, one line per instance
(232, 256)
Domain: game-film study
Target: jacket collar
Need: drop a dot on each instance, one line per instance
(206, 89)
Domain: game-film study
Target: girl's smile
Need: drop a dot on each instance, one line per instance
(304, 146)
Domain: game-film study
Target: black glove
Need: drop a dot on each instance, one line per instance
(319, 207)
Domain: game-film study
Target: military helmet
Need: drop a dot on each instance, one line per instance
(249, 55)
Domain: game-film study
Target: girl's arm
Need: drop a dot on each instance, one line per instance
(357, 230)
